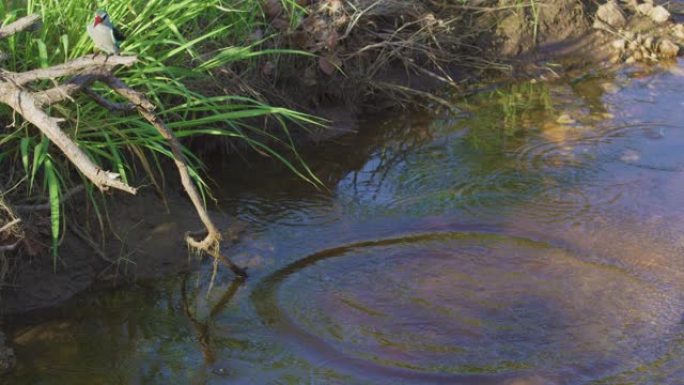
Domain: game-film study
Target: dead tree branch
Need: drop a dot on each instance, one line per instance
(65, 90)
(211, 241)
(26, 22)
(70, 68)
(25, 104)
(84, 72)
(106, 103)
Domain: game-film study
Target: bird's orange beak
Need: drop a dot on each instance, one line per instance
(98, 20)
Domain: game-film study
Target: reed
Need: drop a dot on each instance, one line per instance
(179, 43)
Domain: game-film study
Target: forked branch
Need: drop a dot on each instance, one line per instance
(84, 72)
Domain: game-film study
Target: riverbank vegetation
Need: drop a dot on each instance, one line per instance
(178, 46)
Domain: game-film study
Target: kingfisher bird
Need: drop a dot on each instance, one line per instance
(105, 35)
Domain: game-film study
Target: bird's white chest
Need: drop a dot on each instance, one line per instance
(103, 38)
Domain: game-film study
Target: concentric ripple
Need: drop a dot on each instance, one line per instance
(572, 158)
(475, 306)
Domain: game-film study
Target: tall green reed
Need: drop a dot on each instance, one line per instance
(178, 43)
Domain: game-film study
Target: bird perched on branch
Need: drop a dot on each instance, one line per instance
(105, 35)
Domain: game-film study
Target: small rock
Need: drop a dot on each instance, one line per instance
(644, 9)
(630, 156)
(619, 44)
(659, 14)
(630, 4)
(610, 88)
(221, 371)
(648, 42)
(678, 30)
(630, 60)
(637, 55)
(609, 16)
(565, 119)
(667, 49)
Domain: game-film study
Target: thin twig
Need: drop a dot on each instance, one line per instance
(106, 103)
(90, 242)
(68, 89)
(46, 206)
(11, 247)
(9, 225)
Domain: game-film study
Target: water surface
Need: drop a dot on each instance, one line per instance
(533, 235)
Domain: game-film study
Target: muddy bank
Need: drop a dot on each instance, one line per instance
(369, 56)
(359, 66)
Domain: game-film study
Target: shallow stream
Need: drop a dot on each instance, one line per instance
(534, 235)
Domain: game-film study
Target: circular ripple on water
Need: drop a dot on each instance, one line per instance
(286, 211)
(464, 305)
(507, 192)
(571, 159)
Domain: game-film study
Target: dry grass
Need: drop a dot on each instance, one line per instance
(361, 49)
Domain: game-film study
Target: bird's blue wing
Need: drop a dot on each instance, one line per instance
(118, 35)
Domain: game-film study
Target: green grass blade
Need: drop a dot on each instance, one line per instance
(39, 153)
(24, 148)
(55, 212)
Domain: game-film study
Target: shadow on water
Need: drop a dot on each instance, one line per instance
(534, 238)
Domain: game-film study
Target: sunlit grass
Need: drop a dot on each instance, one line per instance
(178, 43)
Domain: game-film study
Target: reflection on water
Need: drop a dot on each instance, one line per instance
(536, 238)
(465, 303)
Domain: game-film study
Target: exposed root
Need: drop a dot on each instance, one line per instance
(11, 236)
